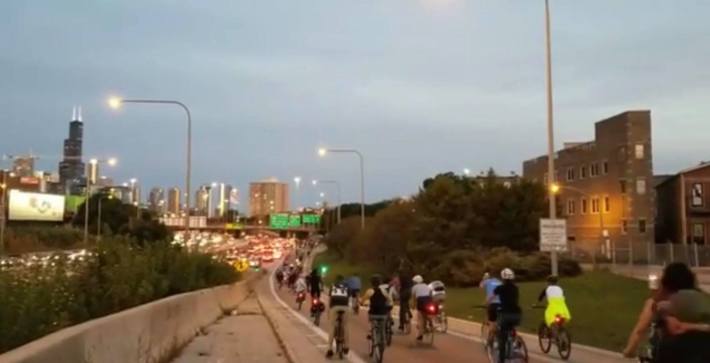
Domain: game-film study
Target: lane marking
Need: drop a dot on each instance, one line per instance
(352, 356)
(537, 356)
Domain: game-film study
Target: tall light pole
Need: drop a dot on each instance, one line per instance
(4, 187)
(116, 103)
(323, 152)
(93, 163)
(337, 187)
(550, 130)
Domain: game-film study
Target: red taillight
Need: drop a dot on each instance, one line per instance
(315, 301)
(431, 308)
(513, 333)
(559, 320)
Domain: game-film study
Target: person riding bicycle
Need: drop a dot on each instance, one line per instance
(354, 286)
(339, 299)
(300, 285)
(509, 313)
(556, 305)
(315, 284)
(405, 295)
(666, 308)
(422, 297)
(279, 275)
(489, 284)
(379, 299)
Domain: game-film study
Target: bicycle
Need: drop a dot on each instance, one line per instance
(515, 348)
(355, 303)
(430, 311)
(486, 333)
(388, 330)
(339, 336)
(377, 337)
(317, 308)
(442, 322)
(300, 298)
(556, 333)
(407, 323)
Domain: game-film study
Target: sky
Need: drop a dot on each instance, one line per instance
(418, 86)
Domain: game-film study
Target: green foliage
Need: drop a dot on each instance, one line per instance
(37, 300)
(454, 228)
(29, 238)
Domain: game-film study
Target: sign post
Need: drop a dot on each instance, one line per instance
(553, 235)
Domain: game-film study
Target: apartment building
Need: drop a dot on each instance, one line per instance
(606, 185)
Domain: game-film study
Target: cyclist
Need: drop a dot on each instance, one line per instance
(489, 284)
(556, 305)
(379, 298)
(301, 285)
(279, 275)
(338, 296)
(422, 297)
(405, 295)
(315, 284)
(509, 313)
(354, 286)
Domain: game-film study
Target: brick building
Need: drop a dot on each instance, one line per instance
(684, 207)
(606, 185)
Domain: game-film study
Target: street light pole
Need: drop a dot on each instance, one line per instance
(116, 102)
(323, 152)
(2, 211)
(550, 130)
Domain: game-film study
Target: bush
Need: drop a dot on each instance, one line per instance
(37, 300)
(30, 238)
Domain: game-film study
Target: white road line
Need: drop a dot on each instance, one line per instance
(352, 356)
(537, 356)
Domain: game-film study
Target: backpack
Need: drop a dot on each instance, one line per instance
(339, 295)
(378, 303)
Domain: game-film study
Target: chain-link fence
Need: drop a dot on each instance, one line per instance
(640, 253)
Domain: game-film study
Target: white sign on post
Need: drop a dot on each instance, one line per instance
(553, 235)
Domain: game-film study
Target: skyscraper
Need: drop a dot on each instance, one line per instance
(268, 196)
(156, 199)
(93, 173)
(24, 165)
(225, 199)
(71, 168)
(174, 200)
(202, 196)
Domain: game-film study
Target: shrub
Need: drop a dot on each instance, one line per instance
(37, 300)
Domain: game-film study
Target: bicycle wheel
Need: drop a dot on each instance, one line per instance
(339, 338)
(519, 350)
(485, 331)
(388, 332)
(371, 341)
(316, 319)
(429, 331)
(544, 337)
(564, 343)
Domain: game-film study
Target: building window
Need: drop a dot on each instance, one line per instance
(570, 174)
(583, 172)
(571, 207)
(607, 204)
(697, 195)
(698, 233)
(642, 226)
(641, 186)
(584, 206)
(624, 226)
(639, 151)
(605, 167)
(595, 205)
(622, 185)
(594, 169)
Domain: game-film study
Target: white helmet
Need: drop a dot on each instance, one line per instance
(418, 279)
(507, 274)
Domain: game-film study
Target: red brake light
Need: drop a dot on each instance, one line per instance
(431, 308)
(559, 319)
(315, 301)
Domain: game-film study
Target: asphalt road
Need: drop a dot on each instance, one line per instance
(446, 348)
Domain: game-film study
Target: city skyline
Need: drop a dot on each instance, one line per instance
(438, 101)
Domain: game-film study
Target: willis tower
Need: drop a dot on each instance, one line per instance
(71, 168)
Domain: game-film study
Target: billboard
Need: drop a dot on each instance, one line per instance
(35, 207)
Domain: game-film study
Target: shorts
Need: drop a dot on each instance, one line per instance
(422, 302)
(492, 311)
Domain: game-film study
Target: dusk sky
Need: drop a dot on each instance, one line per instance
(419, 86)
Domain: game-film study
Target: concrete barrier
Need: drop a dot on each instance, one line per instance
(149, 333)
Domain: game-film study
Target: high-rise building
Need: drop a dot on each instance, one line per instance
(268, 196)
(156, 200)
(202, 196)
(71, 168)
(225, 199)
(23, 166)
(606, 186)
(174, 201)
(93, 173)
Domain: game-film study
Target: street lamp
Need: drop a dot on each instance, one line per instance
(116, 102)
(337, 186)
(466, 171)
(555, 189)
(93, 163)
(550, 129)
(323, 152)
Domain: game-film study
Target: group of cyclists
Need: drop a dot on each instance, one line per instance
(678, 313)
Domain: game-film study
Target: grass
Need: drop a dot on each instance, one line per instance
(604, 306)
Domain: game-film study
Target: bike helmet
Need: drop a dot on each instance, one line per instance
(418, 279)
(507, 274)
